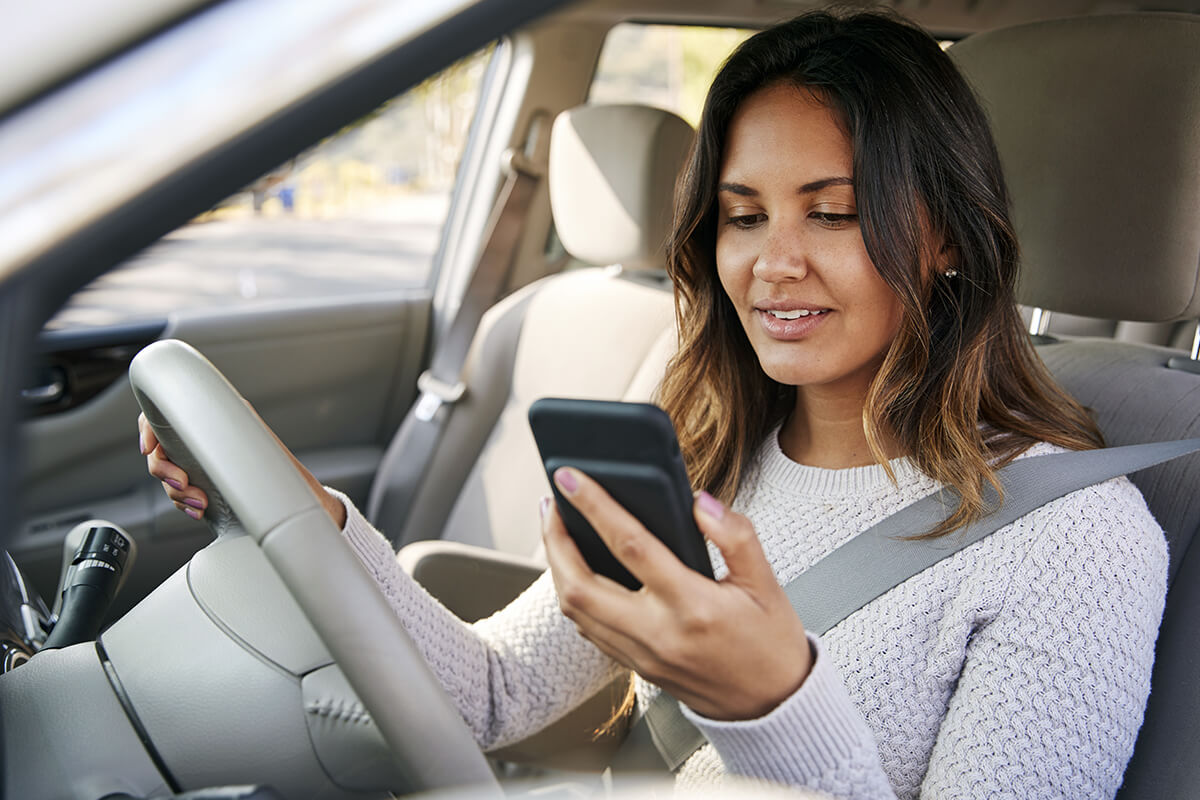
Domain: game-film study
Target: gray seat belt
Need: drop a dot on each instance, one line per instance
(880, 558)
(407, 458)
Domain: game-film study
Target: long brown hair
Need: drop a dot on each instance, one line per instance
(960, 388)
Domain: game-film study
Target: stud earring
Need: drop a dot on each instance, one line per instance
(950, 272)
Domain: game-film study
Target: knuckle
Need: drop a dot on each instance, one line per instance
(697, 618)
(628, 548)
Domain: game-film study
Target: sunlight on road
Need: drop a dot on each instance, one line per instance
(230, 262)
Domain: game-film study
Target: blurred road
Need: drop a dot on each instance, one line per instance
(230, 262)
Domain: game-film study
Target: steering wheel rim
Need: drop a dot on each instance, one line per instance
(208, 429)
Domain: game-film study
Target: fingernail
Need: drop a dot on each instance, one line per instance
(174, 484)
(193, 502)
(710, 505)
(191, 512)
(142, 444)
(565, 480)
(543, 506)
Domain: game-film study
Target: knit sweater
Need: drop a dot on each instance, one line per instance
(1018, 667)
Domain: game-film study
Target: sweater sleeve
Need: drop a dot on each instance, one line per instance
(511, 674)
(1053, 690)
(817, 739)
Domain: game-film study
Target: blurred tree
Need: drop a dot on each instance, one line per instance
(668, 66)
(447, 102)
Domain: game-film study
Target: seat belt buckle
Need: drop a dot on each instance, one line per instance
(436, 393)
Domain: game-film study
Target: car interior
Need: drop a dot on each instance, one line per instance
(1096, 115)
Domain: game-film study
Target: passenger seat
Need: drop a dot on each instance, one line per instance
(600, 332)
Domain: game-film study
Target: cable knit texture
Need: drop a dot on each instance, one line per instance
(1018, 667)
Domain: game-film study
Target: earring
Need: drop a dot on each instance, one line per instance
(949, 272)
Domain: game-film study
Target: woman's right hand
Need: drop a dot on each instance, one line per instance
(189, 499)
(192, 500)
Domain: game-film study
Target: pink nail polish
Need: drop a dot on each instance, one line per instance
(566, 481)
(174, 484)
(193, 502)
(141, 444)
(543, 506)
(711, 505)
(191, 512)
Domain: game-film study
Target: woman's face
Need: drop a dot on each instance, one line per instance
(790, 254)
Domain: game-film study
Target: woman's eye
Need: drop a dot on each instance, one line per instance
(746, 221)
(834, 221)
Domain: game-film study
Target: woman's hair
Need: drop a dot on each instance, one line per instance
(961, 389)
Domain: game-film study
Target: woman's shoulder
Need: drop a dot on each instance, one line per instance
(1108, 515)
(1119, 493)
(1095, 552)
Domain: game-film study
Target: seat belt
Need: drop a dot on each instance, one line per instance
(881, 558)
(441, 386)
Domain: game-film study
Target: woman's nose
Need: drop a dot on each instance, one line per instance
(783, 255)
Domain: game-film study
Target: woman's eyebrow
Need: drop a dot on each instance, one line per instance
(817, 186)
(742, 190)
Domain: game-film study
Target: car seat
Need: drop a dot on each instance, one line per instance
(1097, 120)
(472, 533)
(600, 332)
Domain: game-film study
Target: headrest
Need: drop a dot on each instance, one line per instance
(612, 179)
(1097, 120)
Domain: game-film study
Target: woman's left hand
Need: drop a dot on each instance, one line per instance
(731, 649)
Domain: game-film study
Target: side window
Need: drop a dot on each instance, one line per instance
(359, 212)
(668, 66)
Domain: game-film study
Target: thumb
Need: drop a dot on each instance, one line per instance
(147, 441)
(735, 537)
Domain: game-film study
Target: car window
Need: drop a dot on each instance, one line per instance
(667, 66)
(359, 212)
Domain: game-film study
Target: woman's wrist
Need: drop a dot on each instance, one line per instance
(334, 507)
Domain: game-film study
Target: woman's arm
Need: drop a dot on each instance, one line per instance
(510, 674)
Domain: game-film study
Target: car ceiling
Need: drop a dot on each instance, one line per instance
(952, 18)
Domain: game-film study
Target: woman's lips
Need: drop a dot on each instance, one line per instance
(790, 329)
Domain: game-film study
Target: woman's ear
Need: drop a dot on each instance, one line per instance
(948, 259)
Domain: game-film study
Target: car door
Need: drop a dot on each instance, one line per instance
(331, 377)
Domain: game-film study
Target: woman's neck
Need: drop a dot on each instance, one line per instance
(825, 429)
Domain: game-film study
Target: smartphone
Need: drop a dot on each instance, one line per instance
(630, 449)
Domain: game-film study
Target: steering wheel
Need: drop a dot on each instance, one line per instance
(209, 430)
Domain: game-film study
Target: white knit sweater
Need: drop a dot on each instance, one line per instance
(1019, 667)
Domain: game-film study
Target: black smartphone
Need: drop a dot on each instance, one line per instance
(630, 449)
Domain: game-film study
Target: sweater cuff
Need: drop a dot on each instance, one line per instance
(813, 734)
(367, 543)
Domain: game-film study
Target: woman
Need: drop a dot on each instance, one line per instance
(844, 266)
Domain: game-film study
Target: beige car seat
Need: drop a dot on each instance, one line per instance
(600, 332)
(1097, 121)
